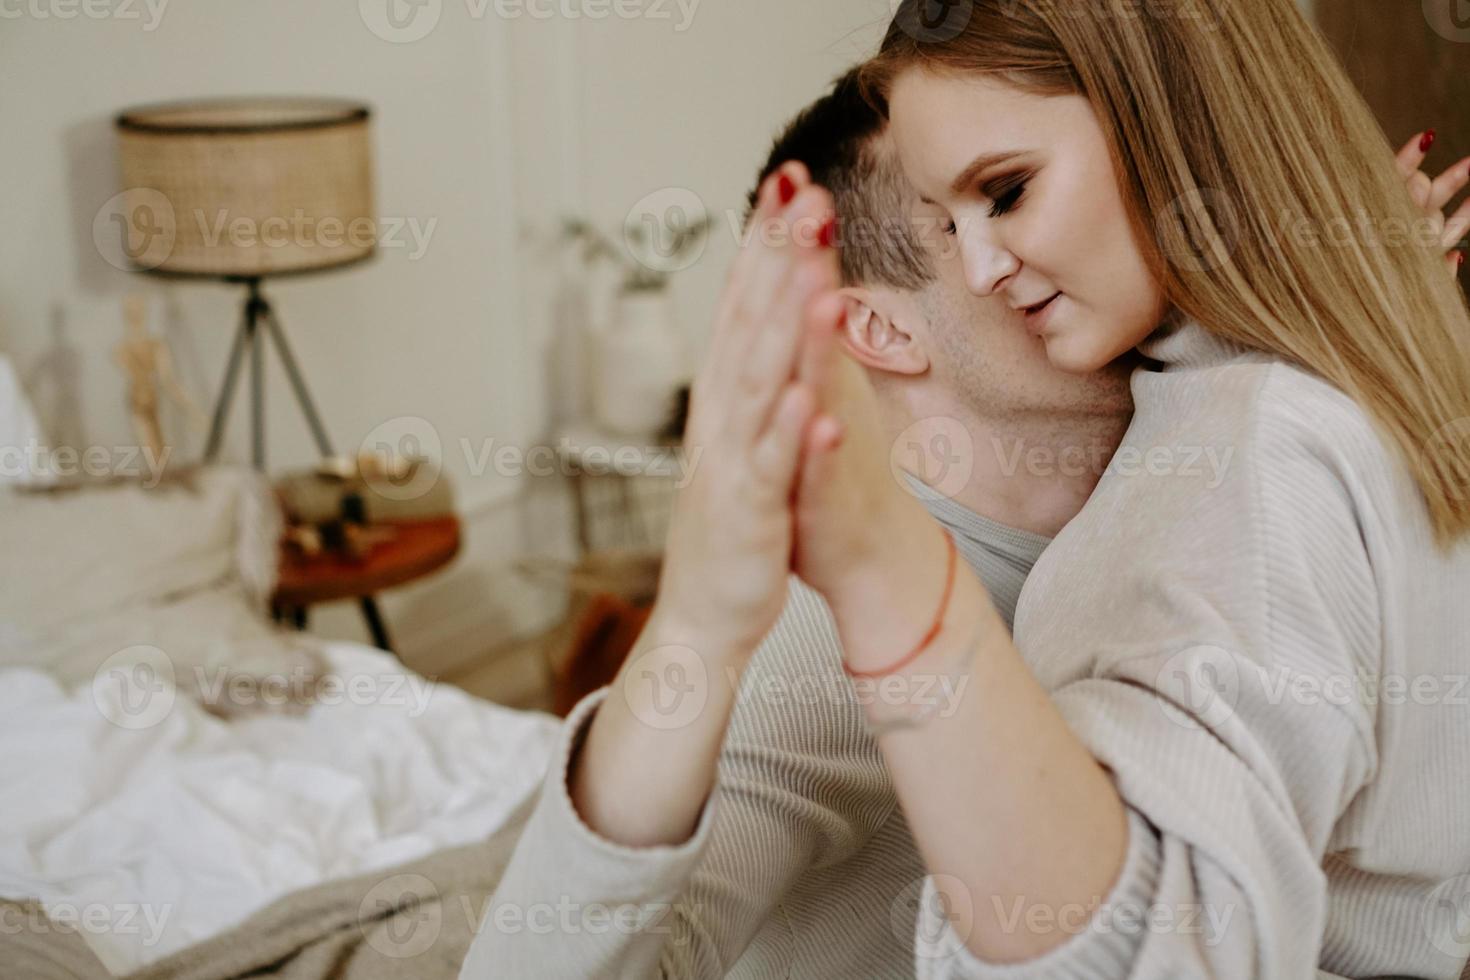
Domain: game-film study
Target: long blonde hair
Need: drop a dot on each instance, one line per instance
(1236, 135)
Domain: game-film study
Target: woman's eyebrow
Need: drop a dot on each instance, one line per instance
(976, 167)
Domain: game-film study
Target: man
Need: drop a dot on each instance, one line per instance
(802, 865)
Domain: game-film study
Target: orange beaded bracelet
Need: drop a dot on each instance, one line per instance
(913, 654)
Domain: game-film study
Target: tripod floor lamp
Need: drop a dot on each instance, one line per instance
(242, 190)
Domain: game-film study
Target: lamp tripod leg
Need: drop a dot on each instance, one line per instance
(298, 383)
(257, 395)
(227, 390)
(375, 625)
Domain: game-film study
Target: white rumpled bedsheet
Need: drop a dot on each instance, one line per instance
(168, 834)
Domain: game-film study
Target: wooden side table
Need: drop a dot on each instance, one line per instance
(416, 549)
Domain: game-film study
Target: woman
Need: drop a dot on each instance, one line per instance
(1158, 777)
(1198, 758)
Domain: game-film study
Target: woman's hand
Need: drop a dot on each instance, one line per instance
(1431, 195)
(863, 539)
(730, 537)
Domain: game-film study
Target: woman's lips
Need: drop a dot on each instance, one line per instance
(1036, 317)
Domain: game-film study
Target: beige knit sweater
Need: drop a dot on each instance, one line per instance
(1271, 655)
(1249, 624)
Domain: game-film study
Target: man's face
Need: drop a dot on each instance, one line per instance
(981, 351)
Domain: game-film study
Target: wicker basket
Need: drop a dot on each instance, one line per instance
(252, 187)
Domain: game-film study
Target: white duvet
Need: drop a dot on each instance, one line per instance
(150, 837)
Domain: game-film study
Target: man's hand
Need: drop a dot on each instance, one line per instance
(1431, 195)
(645, 773)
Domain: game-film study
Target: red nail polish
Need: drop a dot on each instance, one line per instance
(1426, 141)
(786, 188)
(827, 237)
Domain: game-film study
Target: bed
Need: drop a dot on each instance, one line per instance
(173, 766)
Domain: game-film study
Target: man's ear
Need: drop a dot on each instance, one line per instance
(880, 332)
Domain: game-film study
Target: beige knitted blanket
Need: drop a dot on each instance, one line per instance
(414, 920)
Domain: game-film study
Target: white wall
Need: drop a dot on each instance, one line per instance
(399, 336)
(490, 126)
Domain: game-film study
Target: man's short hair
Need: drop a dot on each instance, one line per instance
(835, 138)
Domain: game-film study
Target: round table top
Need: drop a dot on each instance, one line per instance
(416, 549)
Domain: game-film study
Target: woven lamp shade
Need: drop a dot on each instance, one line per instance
(251, 187)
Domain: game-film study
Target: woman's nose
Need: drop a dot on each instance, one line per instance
(988, 264)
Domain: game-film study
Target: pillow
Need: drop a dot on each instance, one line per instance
(110, 574)
(78, 552)
(19, 431)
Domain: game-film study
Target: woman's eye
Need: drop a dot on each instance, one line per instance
(1007, 196)
(949, 228)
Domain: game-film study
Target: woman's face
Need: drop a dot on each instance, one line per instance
(1026, 185)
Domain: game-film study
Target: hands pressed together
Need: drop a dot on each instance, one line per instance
(793, 475)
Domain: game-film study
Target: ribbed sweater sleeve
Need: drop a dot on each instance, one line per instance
(798, 787)
(801, 864)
